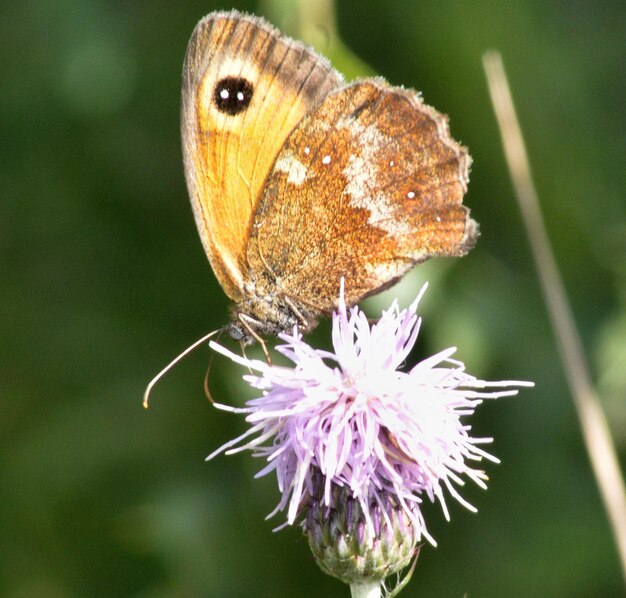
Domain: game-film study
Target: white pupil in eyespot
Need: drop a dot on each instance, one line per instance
(240, 96)
(224, 94)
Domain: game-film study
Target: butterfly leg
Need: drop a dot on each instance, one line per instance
(303, 320)
(243, 352)
(245, 321)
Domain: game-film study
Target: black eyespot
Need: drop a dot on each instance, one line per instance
(233, 95)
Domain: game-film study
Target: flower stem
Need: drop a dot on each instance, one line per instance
(366, 589)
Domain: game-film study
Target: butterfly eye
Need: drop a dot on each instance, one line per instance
(233, 95)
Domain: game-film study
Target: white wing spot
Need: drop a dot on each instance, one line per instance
(307, 150)
(362, 181)
(391, 163)
(438, 219)
(294, 169)
(326, 160)
(411, 194)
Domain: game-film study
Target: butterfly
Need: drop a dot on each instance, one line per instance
(298, 179)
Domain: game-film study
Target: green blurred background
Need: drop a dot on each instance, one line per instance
(103, 280)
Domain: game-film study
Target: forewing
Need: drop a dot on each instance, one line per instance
(228, 152)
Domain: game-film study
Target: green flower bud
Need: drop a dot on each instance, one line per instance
(355, 546)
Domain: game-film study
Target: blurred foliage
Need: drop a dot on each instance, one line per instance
(103, 280)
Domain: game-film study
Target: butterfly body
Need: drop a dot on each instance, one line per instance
(298, 180)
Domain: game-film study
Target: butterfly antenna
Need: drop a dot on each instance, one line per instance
(169, 366)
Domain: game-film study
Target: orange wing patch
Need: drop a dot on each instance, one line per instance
(245, 88)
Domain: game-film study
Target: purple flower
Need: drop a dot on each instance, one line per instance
(353, 420)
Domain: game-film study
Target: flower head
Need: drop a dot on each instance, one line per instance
(349, 425)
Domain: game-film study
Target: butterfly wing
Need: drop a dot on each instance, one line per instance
(369, 184)
(245, 87)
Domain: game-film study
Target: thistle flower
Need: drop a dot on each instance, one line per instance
(357, 444)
